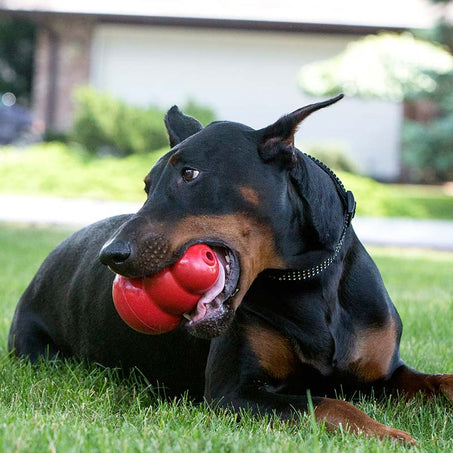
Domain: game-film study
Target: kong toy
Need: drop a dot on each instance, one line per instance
(155, 304)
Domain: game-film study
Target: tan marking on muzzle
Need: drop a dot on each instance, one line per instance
(253, 241)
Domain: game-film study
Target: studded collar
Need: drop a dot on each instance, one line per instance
(347, 198)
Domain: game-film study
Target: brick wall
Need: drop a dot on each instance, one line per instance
(62, 62)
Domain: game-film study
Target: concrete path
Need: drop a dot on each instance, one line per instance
(59, 211)
(432, 234)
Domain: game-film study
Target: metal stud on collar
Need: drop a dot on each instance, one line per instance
(296, 275)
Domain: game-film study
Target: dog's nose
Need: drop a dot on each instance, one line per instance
(136, 255)
(115, 253)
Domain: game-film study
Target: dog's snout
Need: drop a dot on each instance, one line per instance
(136, 256)
(115, 253)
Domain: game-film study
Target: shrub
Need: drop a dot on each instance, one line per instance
(386, 66)
(106, 125)
(427, 150)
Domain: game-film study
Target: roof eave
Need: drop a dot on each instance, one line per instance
(195, 22)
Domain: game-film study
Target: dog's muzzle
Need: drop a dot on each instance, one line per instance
(131, 259)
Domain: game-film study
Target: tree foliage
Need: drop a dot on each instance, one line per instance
(428, 147)
(17, 41)
(386, 66)
(107, 125)
(416, 69)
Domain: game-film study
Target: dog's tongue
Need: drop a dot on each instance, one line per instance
(209, 296)
(155, 304)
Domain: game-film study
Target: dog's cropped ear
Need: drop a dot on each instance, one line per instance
(180, 126)
(277, 140)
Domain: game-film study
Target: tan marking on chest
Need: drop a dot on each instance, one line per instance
(273, 351)
(373, 353)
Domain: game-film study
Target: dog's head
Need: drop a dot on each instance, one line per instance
(228, 186)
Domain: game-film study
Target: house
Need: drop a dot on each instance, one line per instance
(240, 57)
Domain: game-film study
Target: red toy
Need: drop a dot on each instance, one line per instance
(155, 305)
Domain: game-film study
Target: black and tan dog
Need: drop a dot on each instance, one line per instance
(303, 305)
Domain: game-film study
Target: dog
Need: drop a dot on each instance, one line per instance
(303, 307)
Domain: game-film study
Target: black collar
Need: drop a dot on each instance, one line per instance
(347, 198)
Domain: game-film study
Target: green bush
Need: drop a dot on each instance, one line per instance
(427, 150)
(387, 66)
(106, 125)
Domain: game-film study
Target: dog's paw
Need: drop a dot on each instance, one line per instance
(397, 435)
(373, 428)
(338, 413)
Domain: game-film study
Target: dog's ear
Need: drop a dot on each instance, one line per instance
(277, 140)
(180, 126)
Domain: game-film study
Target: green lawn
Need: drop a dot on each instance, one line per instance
(58, 170)
(72, 408)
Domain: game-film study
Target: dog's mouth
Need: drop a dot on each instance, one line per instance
(213, 313)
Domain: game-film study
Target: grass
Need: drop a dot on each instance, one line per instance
(71, 407)
(58, 170)
(398, 200)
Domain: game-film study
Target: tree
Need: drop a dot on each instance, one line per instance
(388, 66)
(427, 150)
(401, 68)
(17, 42)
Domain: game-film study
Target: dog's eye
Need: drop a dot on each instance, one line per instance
(189, 174)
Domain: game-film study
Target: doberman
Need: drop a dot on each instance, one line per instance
(303, 306)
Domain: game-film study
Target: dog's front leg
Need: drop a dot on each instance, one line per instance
(410, 382)
(233, 381)
(334, 413)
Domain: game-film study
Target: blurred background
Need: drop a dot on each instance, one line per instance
(84, 86)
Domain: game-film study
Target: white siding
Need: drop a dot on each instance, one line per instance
(246, 76)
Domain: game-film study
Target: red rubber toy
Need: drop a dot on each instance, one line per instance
(155, 305)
